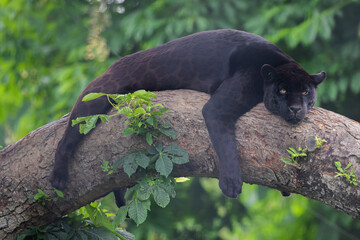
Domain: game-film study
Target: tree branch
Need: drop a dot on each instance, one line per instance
(262, 139)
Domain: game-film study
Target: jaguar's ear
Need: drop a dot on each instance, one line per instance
(268, 72)
(318, 78)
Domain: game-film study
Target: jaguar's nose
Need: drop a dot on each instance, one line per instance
(294, 109)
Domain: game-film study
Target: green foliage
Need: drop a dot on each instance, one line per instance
(163, 158)
(295, 156)
(156, 163)
(319, 142)
(138, 108)
(143, 119)
(90, 122)
(87, 223)
(106, 167)
(138, 197)
(43, 197)
(348, 174)
(155, 180)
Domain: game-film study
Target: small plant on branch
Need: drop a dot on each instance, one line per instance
(319, 142)
(43, 197)
(295, 155)
(346, 173)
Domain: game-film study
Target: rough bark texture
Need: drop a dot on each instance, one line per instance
(262, 139)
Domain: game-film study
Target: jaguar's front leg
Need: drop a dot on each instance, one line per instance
(221, 128)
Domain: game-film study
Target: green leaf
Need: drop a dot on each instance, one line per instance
(139, 93)
(130, 193)
(128, 131)
(130, 164)
(150, 120)
(125, 111)
(59, 193)
(338, 165)
(152, 150)
(145, 191)
(42, 194)
(118, 98)
(169, 188)
(105, 166)
(89, 125)
(156, 113)
(286, 160)
(161, 197)
(118, 162)
(99, 218)
(142, 160)
(338, 175)
(182, 179)
(149, 138)
(348, 166)
(168, 132)
(104, 117)
(92, 96)
(80, 119)
(164, 165)
(125, 235)
(138, 211)
(145, 95)
(177, 154)
(158, 146)
(120, 216)
(140, 110)
(147, 204)
(292, 151)
(150, 94)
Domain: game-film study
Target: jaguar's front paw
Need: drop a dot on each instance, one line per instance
(59, 179)
(231, 185)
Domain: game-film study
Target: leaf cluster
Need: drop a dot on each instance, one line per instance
(319, 142)
(43, 197)
(158, 162)
(139, 198)
(87, 223)
(348, 174)
(107, 167)
(157, 157)
(140, 111)
(154, 165)
(295, 156)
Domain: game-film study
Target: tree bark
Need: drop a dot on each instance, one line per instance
(262, 138)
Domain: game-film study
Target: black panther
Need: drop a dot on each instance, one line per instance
(238, 69)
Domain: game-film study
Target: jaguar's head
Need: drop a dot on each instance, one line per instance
(289, 91)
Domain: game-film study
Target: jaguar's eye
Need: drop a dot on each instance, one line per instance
(282, 91)
(304, 92)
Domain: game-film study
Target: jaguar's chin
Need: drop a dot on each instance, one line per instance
(293, 120)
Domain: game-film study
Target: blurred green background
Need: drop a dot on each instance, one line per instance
(50, 50)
